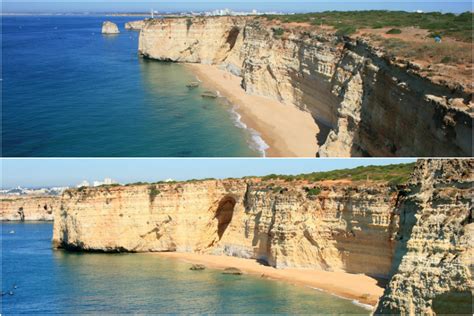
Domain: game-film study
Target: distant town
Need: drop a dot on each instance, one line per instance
(21, 191)
(153, 13)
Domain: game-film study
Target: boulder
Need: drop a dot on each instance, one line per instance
(232, 270)
(197, 267)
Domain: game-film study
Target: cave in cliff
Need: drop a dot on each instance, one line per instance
(224, 215)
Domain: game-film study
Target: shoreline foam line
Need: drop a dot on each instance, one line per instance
(255, 141)
(287, 130)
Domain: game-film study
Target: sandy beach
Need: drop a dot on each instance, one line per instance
(359, 287)
(288, 131)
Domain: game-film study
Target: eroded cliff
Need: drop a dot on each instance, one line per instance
(345, 227)
(418, 235)
(434, 254)
(28, 208)
(373, 104)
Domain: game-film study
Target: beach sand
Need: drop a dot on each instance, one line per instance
(358, 287)
(288, 131)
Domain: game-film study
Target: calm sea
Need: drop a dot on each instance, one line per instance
(68, 90)
(50, 281)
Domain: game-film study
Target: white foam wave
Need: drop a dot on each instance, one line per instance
(355, 302)
(256, 141)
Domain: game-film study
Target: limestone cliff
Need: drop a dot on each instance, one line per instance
(418, 235)
(346, 227)
(28, 208)
(135, 25)
(373, 105)
(434, 252)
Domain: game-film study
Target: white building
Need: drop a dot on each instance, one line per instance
(107, 181)
(84, 183)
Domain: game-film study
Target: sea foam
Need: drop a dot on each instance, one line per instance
(256, 141)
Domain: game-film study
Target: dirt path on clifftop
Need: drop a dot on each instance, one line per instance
(359, 287)
(288, 131)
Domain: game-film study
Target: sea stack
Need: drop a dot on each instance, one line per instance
(110, 28)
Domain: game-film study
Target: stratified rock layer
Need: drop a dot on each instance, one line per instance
(435, 242)
(110, 28)
(372, 104)
(28, 208)
(418, 235)
(346, 227)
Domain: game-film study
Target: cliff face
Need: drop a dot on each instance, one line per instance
(28, 208)
(419, 236)
(345, 227)
(435, 242)
(373, 105)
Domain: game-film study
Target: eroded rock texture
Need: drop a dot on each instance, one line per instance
(434, 252)
(28, 208)
(372, 104)
(419, 236)
(345, 227)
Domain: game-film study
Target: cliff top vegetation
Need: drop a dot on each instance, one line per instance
(394, 174)
(458, 26)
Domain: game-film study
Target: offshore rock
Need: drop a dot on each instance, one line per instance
(110, 28)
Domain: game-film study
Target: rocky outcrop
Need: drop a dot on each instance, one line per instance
(372, 104)
(28, 208)
(110, 28)
(434, 251)
(419, 236)
(345, 227)
(135, 25)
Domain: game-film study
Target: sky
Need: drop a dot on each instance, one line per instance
(92, 6)
(70, 172)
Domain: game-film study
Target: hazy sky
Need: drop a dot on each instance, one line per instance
(63, 172)
(274, 5)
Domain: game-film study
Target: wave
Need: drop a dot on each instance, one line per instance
(353, 301)
(256, 141)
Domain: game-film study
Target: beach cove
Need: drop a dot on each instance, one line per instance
(288, 131)
(359, 288)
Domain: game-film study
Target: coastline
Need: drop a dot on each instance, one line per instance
(361, 289)
(288, 131)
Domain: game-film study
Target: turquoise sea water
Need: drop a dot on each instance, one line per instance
(68, 90)
(50, 281)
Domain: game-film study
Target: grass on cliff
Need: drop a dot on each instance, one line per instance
(444, 24)
(393, 174)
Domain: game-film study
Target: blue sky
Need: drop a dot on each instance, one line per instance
(62, 172)
(274, 5)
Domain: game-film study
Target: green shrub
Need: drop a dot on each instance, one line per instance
(278, 31)
(394, 31)
(189, 23)
(346, 30)
(153, 192)
(313, 192)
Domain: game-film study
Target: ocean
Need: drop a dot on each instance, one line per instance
(38, 279)
(70, 91)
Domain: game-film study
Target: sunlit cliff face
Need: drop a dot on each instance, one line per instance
(372, 105)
